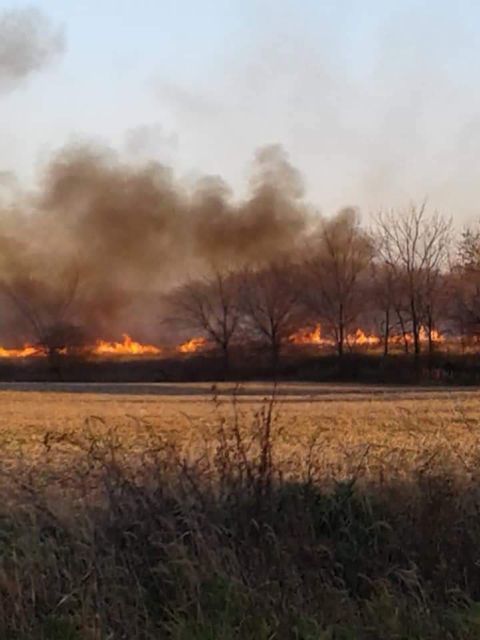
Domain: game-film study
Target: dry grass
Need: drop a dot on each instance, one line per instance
(310, 516)
(396, 431)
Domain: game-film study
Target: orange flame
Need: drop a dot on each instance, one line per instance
(398, 339)
(310, 336)
(128, 347)
(25, 352)
(192, 345)
(305, 336)
(436, 336)
(363, 339)
(314, 337)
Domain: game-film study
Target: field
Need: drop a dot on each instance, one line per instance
(198, 512)
(388, 428)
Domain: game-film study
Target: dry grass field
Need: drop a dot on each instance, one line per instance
(305, 512)
(382, 429)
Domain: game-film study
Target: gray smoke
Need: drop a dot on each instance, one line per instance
(100, 240)
(28, 43)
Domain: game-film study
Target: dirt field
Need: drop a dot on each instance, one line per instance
(349, 428)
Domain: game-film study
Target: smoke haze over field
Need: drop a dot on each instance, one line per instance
(105, 239)
(348, 104)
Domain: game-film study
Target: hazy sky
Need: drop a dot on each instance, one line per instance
(376, 101)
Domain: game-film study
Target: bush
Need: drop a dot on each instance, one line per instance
(150, 543)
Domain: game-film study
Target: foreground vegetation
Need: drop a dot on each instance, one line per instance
(355, 519)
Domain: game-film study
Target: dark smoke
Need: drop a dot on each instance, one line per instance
(28, 43)
(101, 240)
(267, 223)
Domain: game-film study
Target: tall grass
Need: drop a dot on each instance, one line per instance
(103, 539)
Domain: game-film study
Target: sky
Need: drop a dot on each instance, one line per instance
(377, 102)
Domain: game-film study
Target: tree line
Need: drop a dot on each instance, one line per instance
(406, 277)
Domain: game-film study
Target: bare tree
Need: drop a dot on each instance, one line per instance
(384, 296)
(468, 250)
(340, 255)
(389, 293)
(210, 306)
(47, 310)
(415, 247)
(270, 303)
(463, 285)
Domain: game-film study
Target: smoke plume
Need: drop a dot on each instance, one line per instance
(28, 43)
(100, 240)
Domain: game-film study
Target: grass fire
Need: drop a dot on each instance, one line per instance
(283, 280)
(239, 320)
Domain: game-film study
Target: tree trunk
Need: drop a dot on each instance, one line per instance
(386, 335)
(404, 332)
(430, 340)
(415, 330)
(416, 341)
(55, 363)
(226, 360)
(341, 331)
(430, 332)
(275, 356)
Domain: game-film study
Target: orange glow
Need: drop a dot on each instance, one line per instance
(363, 339)
(436, 336)
(313, 337)
(306, 336)
(310, 337)
(398, 339)
(193, 345)
(128, 347)
(25, 352)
